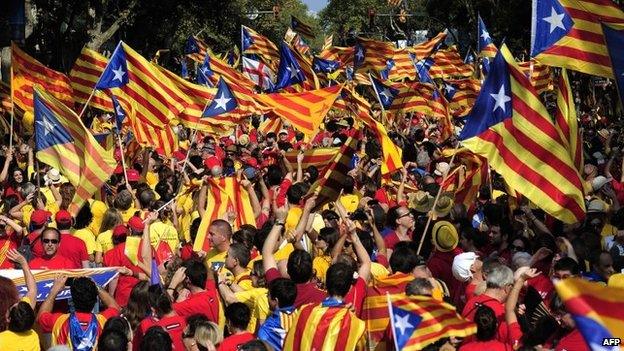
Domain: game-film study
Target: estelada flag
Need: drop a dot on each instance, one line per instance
(84, 74)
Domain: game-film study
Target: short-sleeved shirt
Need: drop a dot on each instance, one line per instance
(74, 249)
(205, 302)
(253, 298)
(7, 243)
(173, 325)
(306, 292)
(233, 342)
(57, 261)
(87, 236)
(58, 323)
(24, 341)
(160, 231)
(356, 295)
(117, 257)
(490, 345)
(215, 260)
(104, 241)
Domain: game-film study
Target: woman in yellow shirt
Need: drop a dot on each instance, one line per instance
(104, 241)
(324, 244)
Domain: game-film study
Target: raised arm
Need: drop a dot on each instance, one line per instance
(271, 242)
(57, 287)
(7, 162)
(31, 294)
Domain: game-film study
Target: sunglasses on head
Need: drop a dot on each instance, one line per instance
(50, 241)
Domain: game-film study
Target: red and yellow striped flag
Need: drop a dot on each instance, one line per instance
(63, 142)
(311, 82)
(320, 327)
(429, 320)
(568, 33)
(426, 49)
(566, 122)
(468, 177)
(328, 43)
(256, 43)
(6, 105)
(225, 71)
(461, 95)
(321, 158)
(539, 74)
(329, 185)
(337, 53)
(377, 53)
(84, 74)
(447, 63)
(270, 125)
(225, 196)
(306, 110)
(27, 71)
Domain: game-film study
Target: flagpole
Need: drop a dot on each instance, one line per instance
(12, 112)
(123, 158)
(96, 83)
(383, 110)
(435, 201)
(394, 338)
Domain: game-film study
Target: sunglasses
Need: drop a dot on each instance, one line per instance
(50, 241)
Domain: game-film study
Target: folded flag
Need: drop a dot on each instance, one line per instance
(485, 47)
(418, 321)
(422, 69)
(566, 122)
(426, 49)
(596, 309)
(511, 128)
(385, 94)
(539, 74)
(205, 73)
(320, 158)
(568, 33)
(45, 279)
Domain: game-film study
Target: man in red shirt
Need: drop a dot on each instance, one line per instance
(117, 257)
(163, 316)
(51, 258)
(63, 326)
(71, 247)
(238, 316)
(204, 297)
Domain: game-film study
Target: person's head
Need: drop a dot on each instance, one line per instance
(123, 200)
(419, 286)
(327, 238)
(237, 316)
(296, 192)
(400, 217)
(50, 238)
(338, 279)
(8, 291)
(18, 176)
(64, 220)
(602, 264)
(21, 317)
(299, 266)
(83, 217)
(245, 235)
(201, 333)
(111, 218)
(255, 345)
(121, 325)
(159, 301)
(113, 340)
(565, 267)
(486, 322)
(196, 274)
(146, 198)
(257, 274)
(84, 294)
(404, 259)
(219, 233)
(237, 257)
(282, 293)
(156, 339)
(559, 312)
(500, 278)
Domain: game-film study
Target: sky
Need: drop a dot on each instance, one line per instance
(315, 5)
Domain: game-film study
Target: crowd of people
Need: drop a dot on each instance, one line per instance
(277, 284)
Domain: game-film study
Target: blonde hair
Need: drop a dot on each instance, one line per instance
(207, 333)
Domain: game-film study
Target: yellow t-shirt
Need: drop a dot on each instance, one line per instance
(104, 241)
(378, 270)
(245, 284)
(127, 214)
(24, 341)
(350, 202)
(160, 231)
(98, 208)
(215, 260)
(252, 298)
(294, 214)
(87, 236)
(320, 265)
(51, 207)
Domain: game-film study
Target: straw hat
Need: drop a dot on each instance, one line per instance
(444, 236)
(444, 205)
(420, 201)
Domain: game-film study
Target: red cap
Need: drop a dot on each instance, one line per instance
(251, 162)
(63, 216)
(211, 162)
(133, 175)
(40, 217)
(120, 230)
(136, 224)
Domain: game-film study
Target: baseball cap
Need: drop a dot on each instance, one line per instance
(63, 216)
(136, 224)
(40, 217)
(120, 230)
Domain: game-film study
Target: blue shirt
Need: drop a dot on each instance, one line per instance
(272, 330)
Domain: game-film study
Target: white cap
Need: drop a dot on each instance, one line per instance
(441, 168)
(462, 264)
(598, 182)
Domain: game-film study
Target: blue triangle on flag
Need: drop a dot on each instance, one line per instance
(223, 102)
(115, 74)
(48, 130)
(385, 94)
(191, 46)
(289, 72)
(614, 38)
(120, 113)
(404, 323)
(550, 22)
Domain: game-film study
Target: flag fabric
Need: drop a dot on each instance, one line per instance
(467, 178)
(306, 110)
(426, 49)
(320, 158)
(344, 55)
(566, 122)
(447, 63)
(321, 65)
(329, 185)
(511, 128)
(259, 73)
(6, 105)
(45, 279)
(225, 195)
(461, 95)
(84, 74)
(539, 74)
(120, 114)
(157, 100)
(184, 73)
(255, 43)
(418, 321)
(301, 28)
(27, 72)
(422, 69)
(568, 33)
(63, 142)
(195, 48)
(328, 42)
(223, 102)
(311, 81)
(374, 54)
(385, 94)
(397, 98)
(614, 39)
(485, 46)
(225, 71)
(204, 74)
(596, 309)
(271, 125)
(289, 71)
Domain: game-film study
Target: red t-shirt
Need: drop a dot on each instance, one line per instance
(74, 249)
(36, 246)
(233, 342)
(356, 295)
(117, 257)
(205, 302)
(174, 326)
(543, 286)
(574, 341)
(306, 292)
(57, 261)
(499, 311)
(440, 264)
(492, 345)
(47, 320)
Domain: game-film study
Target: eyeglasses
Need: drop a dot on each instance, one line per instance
(50, 241)
(405, 214)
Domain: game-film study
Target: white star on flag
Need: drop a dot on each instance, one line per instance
(359, 54)
(402, 323)
(485, 35)
(47, 126)
(293, 71)
(385, 93)
(119, 111)
(119, 73)
(48, 285)
(555, 20)
(449, 88)
(331, 66)
(222, 102)
(500, 98)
